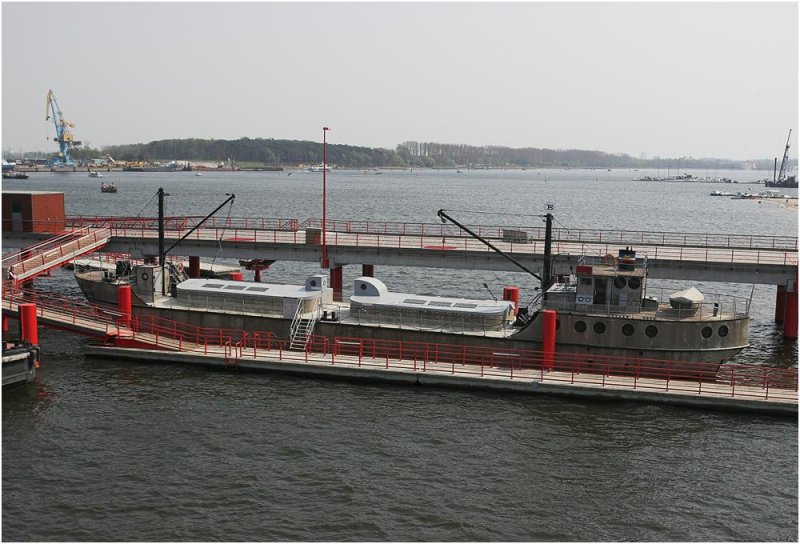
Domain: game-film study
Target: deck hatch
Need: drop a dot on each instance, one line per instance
(440, 304)
(413, 301)
(213, 285)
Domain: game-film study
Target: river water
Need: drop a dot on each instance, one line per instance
(100, 450)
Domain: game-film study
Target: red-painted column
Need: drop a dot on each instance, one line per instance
(368, 270)
(257, 276)
(512, 295)
(5, 324)
(336, 283)
(194, 267)
(549, 338)
(780, 304)
(125, 302)
(27, 319)
(236, 276)
(790, 315)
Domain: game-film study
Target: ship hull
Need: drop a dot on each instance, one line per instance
(678, 345)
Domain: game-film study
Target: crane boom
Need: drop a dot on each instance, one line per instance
(64, 136)
(782, 173)
(547, 257)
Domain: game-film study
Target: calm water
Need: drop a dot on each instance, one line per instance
(99, 450)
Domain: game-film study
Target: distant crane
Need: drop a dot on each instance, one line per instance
(63, 134)
(782, 173)
(780, 179)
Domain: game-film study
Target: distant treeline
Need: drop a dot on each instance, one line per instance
(260, 151)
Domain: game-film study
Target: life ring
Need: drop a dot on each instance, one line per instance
(145, 276)
(609, 259)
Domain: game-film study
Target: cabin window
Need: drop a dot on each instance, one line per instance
(580, 326)
(628, 329)
(651, 331)
(634, 283)
(599, 327)
(706, 332)
(586, 281)
(619, 282)
(723, 331)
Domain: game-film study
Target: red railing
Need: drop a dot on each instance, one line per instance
(42, 257)
(773, 250)
(605, 371)
(397, 228)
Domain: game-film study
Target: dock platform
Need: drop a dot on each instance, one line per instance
(599, 387)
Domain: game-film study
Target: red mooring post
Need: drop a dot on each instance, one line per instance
(257, 276)
(790, 315)
(236, 276)
(549, 338)
(125, 302)
(27, 320)
(368, 270)
(336, 282)
(512, 295)
(194, 267)
(780, 304)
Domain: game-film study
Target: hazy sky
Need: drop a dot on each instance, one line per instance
(669, 80)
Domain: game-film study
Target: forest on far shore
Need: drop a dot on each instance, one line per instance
(271, 152)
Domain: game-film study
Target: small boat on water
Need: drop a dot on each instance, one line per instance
(20, 360)
(108, 188)
(95, 174)
(721, 193)
(319, 168)
(15, 175)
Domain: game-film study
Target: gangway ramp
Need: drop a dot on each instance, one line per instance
(53, 253)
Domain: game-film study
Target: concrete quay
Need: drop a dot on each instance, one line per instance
(592, 387)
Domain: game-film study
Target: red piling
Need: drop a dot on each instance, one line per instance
(549, 338)
(790, 314)
(336, 283)
(512, 295)
(125, 302)
(368, 270)
(194, 267)
(27, 319)
(780, 304)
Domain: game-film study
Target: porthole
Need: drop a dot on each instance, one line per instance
(599, 327)
(619, 282)
(580, 326)
(363, 286)
(634, 283)
(628, 329)
(706, 332)
(651, 331)
(723, 331)
(313, 283)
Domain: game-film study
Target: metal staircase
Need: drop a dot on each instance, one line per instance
(302, 327)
